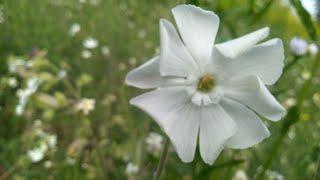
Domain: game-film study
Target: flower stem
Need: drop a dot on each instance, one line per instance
(163, 159)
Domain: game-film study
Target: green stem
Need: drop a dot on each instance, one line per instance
(163, 159)
(272, 155)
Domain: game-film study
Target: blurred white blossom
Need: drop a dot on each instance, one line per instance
(289, 102)
(74, 29)
(12, 82)
(105, 50)
(15, 64)
(142, 34)
(86, 105)
(86, 54)
(154, 143)
(274, 175)
(122, 66)
(132, 169)
(37, 153)
(298, 46)
(306, 75)
(48, 164)
(313, 49)
(62, 74)
(240, 175)
(32, 86)
(90, 43)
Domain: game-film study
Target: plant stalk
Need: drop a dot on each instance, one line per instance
(163, 159)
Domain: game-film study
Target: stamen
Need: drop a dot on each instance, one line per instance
(206, 83)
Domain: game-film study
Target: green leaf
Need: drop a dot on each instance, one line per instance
(194, 2)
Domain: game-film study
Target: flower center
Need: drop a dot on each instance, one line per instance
(206, 83)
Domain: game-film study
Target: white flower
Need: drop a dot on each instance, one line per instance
(86, 54)
(274, 175)
(209, 89)
(132, 169)
(90, 43)
(86, 105)
(240, 175)
(298, 46)
(12, 82)
(306, 75)
(62, 74)
(154, 143)
(105, 50)
(74, 29)
(32, 86)
(47, 164)
(37, 153)
(313, 49)
(15, 64)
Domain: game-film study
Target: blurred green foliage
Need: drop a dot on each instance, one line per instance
(100, 143)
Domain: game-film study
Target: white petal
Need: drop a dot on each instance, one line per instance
(216, 126)
(175, 60)
(252, 92)
(235, 47)
(250, 129)
(198, 29)
(177, 116)
(146, 76)
(264, 60)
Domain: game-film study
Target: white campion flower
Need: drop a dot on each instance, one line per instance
(37, 154)
(313, 49)
(86, 54)
(298, 46)
(154, 143)
(240, 175)
(74, 29)
(86, 105)
(90, 43)
(32, 86)
(209, 89)
(132, 169)
(12, 82)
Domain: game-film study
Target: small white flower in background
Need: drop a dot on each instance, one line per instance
(24, 94)
(15, 64)
(132, 61)
(12, 82)
(37, 154)
(210, 90)
(105, 50)
(90, 43)
(289, 102)
(306, 75)
(62, 74)
(313, 49)
(298, 46)
(316, 99)
(48, 164)
(70, 160)
(142, 34)
(132, 169)
(274, 175)
(122, 66)
(86, 54)
(154, 143)
(74, 29)
(82, 1)
(240, 175)
(86, 105)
